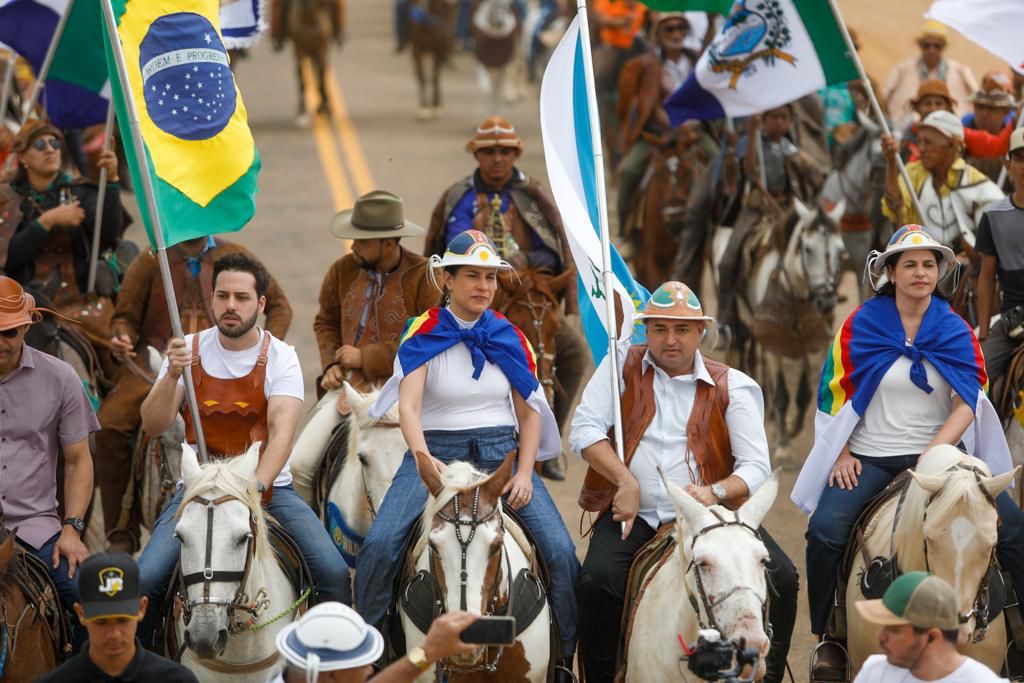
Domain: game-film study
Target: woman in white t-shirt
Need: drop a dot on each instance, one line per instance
(904, 373)
(466, 385)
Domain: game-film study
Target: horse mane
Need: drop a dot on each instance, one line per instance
(960, 485)
(221, 476)
(457, 478)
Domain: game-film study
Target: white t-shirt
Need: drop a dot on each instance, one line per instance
(877, 669)
(901, 418)
(284, 374)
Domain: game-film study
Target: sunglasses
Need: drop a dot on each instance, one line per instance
(41, 143)
(932, 46)
(11, 333)
(674, 28)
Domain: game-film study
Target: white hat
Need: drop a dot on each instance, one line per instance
(907, 238)
(330, 637)
(1017, 140)
(470, 248)
(946, 123)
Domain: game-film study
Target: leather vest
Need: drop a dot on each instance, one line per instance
(707, 434)
(233, 412)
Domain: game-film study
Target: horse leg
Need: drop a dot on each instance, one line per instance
(321, 70)
(302, 116)
(422, 112)
(438, 64)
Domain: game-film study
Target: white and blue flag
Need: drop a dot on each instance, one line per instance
(568, 152)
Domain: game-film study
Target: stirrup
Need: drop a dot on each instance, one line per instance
(846, 677)
(562, 667)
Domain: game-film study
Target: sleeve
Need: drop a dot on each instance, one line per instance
(984, 242)
(595, 414)
(113, 214)
(133, 297)
(286, 379)
(745, 419)
(77, 418)
(24, 244)
(327, 323)
(981, 143)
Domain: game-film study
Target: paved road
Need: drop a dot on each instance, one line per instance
(308, 173)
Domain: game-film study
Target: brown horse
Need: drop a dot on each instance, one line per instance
(33, 629)
(432, 34)
(310, 30)
(660, 209)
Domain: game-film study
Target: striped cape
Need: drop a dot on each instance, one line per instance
(492, 339)
(862, 352)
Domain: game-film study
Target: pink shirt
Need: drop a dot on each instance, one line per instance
(43, 406)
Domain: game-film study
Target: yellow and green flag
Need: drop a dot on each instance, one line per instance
(200, 152)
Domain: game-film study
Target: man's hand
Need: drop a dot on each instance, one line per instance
(70, 546)
(108, 161)
(121, 346)
(626, 504)
(889, 148)
(333, 378)
(702, 494)
(179, 357)
(349, 356)
(443, 637)
(65, 215)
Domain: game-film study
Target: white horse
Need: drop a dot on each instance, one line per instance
(718, 564)
(498, 49)
(947, 525)
(465, 532)
(237, 597)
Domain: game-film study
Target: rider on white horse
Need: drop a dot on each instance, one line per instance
(465, 379)
(696, 420)
(904, 373)
(249, 388)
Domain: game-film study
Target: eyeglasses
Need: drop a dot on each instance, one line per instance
(675, 28)
(929, 45)
(11, 333)
(40, 144)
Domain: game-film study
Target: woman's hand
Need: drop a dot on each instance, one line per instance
(845, 471)
(520, 489)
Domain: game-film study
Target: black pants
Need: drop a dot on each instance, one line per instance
(602, 590)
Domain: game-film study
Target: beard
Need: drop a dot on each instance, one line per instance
(235, 332)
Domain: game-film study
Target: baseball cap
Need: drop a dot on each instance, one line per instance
(108, 586)
(916, 598)
(946, 123)
(1017, 140)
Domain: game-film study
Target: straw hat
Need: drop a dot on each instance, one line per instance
(376, 215)
(933, 29)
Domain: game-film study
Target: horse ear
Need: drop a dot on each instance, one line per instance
(428, 473)
(757, 506)
(931, 483)
(801, 210)
(837, 211)
(491, 489)
(688, 509)
(189, 463)
(249, 460)
(997, 484)
(561, 281)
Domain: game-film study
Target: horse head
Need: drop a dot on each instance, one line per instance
(378, 444)
(466, 536)
(675, 161)
(815, 254)
(222, 535)
(724, 563)
(947, 526)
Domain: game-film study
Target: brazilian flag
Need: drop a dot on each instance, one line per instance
(200, 153)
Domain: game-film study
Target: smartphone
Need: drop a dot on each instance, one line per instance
(490, 631)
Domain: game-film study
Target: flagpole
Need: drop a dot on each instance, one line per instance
(602, 214)
(875, 106)
(5, 90)
(44, 70)
(94, 255)
(154, 216)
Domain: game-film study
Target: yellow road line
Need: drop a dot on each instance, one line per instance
(330, 160)
(357, 166)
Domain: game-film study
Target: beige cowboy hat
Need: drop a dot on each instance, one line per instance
(17, 307)
(377, 215)
(495, 131)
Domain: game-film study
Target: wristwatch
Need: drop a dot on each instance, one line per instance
(418, 658)
(261, 488)
(719, 492)
(76, 523)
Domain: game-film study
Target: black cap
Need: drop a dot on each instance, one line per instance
(108, 586)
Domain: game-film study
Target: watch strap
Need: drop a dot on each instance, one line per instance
(76, 523)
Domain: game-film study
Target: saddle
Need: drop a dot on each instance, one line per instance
(28, 574)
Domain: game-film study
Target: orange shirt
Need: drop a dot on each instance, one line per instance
(620, 37)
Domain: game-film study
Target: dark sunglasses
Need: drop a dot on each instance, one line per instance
(11, 333)
(675, 28)
(932, 46)
(40, 144)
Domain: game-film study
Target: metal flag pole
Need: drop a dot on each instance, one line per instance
(602, 213)
(94, 255)
(875, 106)
(44, 70)
(154, 216)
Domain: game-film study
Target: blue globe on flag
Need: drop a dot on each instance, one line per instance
(187, 80)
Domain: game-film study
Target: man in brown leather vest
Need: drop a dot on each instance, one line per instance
(696, 420)
(140, 321)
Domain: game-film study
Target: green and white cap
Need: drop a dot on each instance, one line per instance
(916, 598)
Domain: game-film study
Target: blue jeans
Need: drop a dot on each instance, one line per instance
(329, 571)
(381, 555)
(67, 589)
(832, 523)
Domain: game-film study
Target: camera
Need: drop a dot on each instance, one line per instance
(711, 658)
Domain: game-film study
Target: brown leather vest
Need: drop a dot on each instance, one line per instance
(233, 412)
(56, 255)
(707, 434)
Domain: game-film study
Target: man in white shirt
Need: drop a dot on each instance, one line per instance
(702, 424)
(249, 389)
(919, 619)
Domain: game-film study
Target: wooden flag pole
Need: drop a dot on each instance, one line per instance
(94, 254)
(154, 216)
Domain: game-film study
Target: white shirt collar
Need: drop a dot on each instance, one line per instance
(700, 372)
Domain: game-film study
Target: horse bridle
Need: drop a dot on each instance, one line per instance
(705, 603)
(538, 311)
(210, 576)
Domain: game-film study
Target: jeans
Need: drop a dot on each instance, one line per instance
(832, 523)
(380, 558)
(329, 572)
(67, 589)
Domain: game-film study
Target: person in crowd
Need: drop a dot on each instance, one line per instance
(994, 113)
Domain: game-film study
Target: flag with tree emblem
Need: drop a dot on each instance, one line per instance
(200, 152)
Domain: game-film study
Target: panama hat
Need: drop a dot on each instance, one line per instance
(377, 215)
(330, 637)
(907, 238)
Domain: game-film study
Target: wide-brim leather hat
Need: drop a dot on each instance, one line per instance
(17, 307)
(495, 131)
(377, 215)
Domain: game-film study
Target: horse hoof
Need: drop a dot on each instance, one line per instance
(423, 114)
(302, 120)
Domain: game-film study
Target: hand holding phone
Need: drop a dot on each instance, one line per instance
(490, 631)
